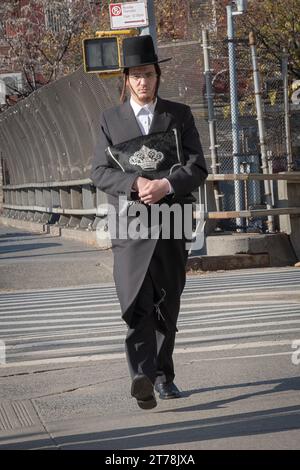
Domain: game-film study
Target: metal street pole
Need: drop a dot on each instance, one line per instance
(261, 128)
(285, 61)
(211, 117)
(236, 148)
(151, 29)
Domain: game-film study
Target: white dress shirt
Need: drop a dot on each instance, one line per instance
(144, 116)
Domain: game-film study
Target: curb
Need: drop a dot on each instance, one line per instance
(194, 264)
(228, 262)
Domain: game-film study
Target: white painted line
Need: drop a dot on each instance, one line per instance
(108, 338)
(79, 321)
(185, 317)
(229, 318)
(85, 340)
(75, 321)
(80, 314)
(243, 278)
(205, 312)
(238, 327)
(61, 305)
(112, 356)
(198, 298)
(108, 285)
(204, 338)
(234, 314)
(242, 290)
(287, 353)
(61, 360)
(60, 300)
(83, 331)
(59, 351)
(55, 327)
(225, 347)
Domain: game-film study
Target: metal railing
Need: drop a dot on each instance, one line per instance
(74, 203)
(77, 203)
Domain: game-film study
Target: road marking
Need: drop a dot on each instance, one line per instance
(287, 353)
(198, 304)
(111, 356)
(197, 339)
(67, 324)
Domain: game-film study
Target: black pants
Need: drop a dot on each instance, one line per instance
(148, 350)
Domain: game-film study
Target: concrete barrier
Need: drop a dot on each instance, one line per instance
(277, 246)
(289, 194)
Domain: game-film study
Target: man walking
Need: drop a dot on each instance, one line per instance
(149, 273)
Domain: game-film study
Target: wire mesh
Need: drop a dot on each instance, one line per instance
(51, 135)
(252, 193)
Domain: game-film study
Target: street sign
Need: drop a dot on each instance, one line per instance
(128, 15)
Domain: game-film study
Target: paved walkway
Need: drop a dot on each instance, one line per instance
(35, 261)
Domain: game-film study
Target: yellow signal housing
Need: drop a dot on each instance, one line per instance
(102, 53)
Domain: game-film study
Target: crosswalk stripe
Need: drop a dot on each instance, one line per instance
(84, 324)
(116, 304)
(189, 290)
(203, 315)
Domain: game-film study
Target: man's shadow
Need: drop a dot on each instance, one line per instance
(281, 385)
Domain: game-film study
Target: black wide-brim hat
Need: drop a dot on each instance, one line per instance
(138, 51)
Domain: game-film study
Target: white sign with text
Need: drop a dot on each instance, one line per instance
(128, 15)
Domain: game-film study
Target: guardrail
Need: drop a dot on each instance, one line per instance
(77, 203)
(291, 177)
(74, 203)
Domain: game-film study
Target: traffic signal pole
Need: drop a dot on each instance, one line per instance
(151, 28)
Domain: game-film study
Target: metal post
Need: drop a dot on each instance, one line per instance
(261, 128)
(151, 29)
(234, 113)
(287, 111)
(211, 116)
(1, 181)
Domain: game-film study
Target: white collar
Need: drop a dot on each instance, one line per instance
(137, 107)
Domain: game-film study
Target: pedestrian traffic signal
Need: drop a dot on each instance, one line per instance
(102, 53)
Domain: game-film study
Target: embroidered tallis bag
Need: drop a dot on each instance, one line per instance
(152, 156)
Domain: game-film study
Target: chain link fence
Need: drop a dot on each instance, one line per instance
(249, 161)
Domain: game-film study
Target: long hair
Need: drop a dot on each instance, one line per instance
(125, 78)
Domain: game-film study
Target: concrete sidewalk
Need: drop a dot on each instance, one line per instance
(29, 260)
(29, 255)
(88, 407)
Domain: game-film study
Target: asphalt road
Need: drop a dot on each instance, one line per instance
(65, 383)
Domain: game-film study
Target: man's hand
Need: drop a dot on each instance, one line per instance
(153, 191)
(140, 183)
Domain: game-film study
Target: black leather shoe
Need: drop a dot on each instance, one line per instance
(142, 390)
(167, 391)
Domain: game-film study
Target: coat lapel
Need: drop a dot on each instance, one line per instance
(161, 119)
(130, 127)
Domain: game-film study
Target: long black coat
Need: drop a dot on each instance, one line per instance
(164, 259)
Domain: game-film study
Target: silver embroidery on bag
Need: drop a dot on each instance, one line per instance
(146, 158)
